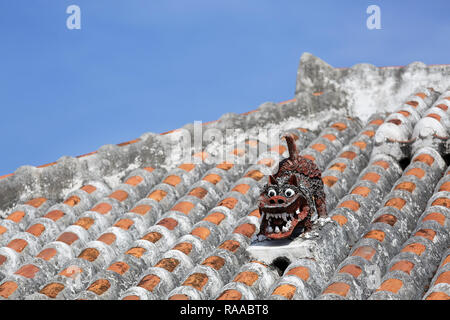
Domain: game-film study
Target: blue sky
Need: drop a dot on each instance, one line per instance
(154, 65)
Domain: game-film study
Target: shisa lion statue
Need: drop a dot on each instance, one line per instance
(293, 198)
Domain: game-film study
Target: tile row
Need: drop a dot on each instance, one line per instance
(252, 282)
(21, 217)
(76, 228)
(172, 257)
(440, 284)
(356, 277)
(342, 172)
(433, 130)
(118, 231)
(411, 270)
(29, 227)
(330, 141)
(394, 135)
(218, 267)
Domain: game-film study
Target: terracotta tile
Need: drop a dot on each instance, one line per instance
(351, 269)
(285, 290)
(52, 290)
(230, 295)
(404, 265)
(391, 285)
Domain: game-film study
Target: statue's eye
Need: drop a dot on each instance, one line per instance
(289, 193)
(271, 193)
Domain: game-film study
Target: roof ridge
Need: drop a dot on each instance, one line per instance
(122, 144)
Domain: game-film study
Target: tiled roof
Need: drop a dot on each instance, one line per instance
(187, 230)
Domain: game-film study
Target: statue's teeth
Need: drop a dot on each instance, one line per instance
(284, 216)
(277, 230)
(298, 211)
(269, 229)
(285, 229)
